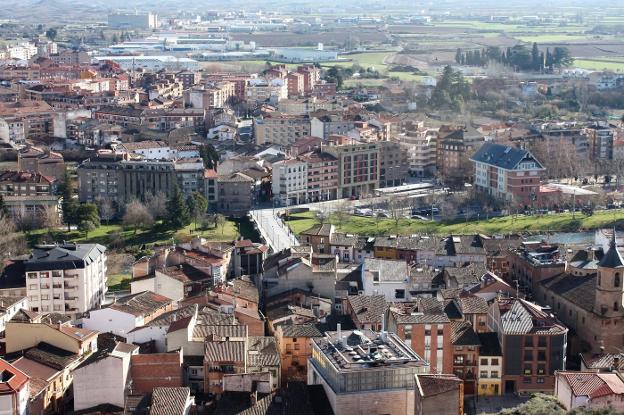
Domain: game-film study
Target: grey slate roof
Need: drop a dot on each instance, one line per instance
(368, 308)
(578, 289)
(262, 351)
(70, 256)
(463, 334)
(501, 156)
(613, 258)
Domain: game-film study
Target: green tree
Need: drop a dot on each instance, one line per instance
(535, 57)
(51, 33)
(197, 206)
(561, 57)
(87, 212)
(177, 210)
(458, 56)
(209, 155)
(69, 205)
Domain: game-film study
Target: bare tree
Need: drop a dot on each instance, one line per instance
(106, 208)
(50, 217)
(220, 221)
(12, 242)
(340, 213)
(157, 205)
(137, 215)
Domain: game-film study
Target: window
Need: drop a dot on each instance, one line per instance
(615, 306)
(407, 329)
(527, 370)
(483, 374)
(616, 280)
(494, 374)
(399, 294)
(526, 380)
(494, 361)
(540, 380)
(484, 362)
(541, 341)
(541, 369)
(528, 355)
(528, 342)
(541, 356)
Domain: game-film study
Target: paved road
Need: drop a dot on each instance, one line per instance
(276, 234)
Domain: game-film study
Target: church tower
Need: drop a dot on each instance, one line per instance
(609, 291)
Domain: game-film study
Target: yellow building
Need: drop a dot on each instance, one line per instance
(490, 365)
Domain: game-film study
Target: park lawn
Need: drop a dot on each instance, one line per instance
(118, 282)
(509, 224)
(128, 238)
(598, 65)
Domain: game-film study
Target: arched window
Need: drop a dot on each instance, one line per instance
(616, 280)
(615, 306)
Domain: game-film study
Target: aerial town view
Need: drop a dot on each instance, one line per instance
(311, 207)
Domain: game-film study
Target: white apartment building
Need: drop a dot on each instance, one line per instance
(67, 279)
(421, 147)
(261, 90)
(290, 181)
(23, 51)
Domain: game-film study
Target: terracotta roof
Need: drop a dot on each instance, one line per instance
(368, 308)
(300, 330)
(39, 374)
(431, 385)
(76, 332)
(463, 334)
(472, 304)
(224, 351)
(11, 176)
(185, 273)
(593, 384)
(169, 401)
(141, 304)
(262, 351)
(13, 379)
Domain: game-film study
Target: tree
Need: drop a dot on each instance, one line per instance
(106, 208)
(115, 39)
(12, 242)
(86, 214)
(209, 155)
(220, 222)
(177, 210)
(50, 217)
(4, 210)
(51, 33)
(561, 57)
(535, 57)
(156, 204)
(458, 56)
(69, 205)
(137, 215)
(86, 227)
(197, 206)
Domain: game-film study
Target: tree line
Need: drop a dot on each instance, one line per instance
(519, 57)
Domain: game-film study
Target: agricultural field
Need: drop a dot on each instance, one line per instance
(599, 64)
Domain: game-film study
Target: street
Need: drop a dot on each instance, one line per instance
(276, 234)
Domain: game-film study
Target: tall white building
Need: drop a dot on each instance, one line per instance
(290, 181)
(133, 20)
(68, 279)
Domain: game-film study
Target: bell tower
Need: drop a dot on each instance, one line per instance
(609, 291)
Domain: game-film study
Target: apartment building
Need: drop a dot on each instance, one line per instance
(507, 173)
(312, 76)
(365, 372)
(235, 194)
(290, 182)
(115, 177)
(533, 344)
(420, 144)
(394, 164)
(296, 84)
(358, 167)
(25, 119)
(277, 128)
(50, 164)
(25, 183)
(425, 327)
(324, 124)
(322, 175)
(260, 90)
(295, 348)
(67, 279)
(600, 141)
(124, 116)
(210, 96)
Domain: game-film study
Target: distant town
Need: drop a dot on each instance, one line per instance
(311, 209)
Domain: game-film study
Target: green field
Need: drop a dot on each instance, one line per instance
(116, 235)
(504, 225)
(599, 65)
(119, 282)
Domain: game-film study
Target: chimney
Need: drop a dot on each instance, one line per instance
(383, 322)
(253, 398)
(339, 329)
(616, 362)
